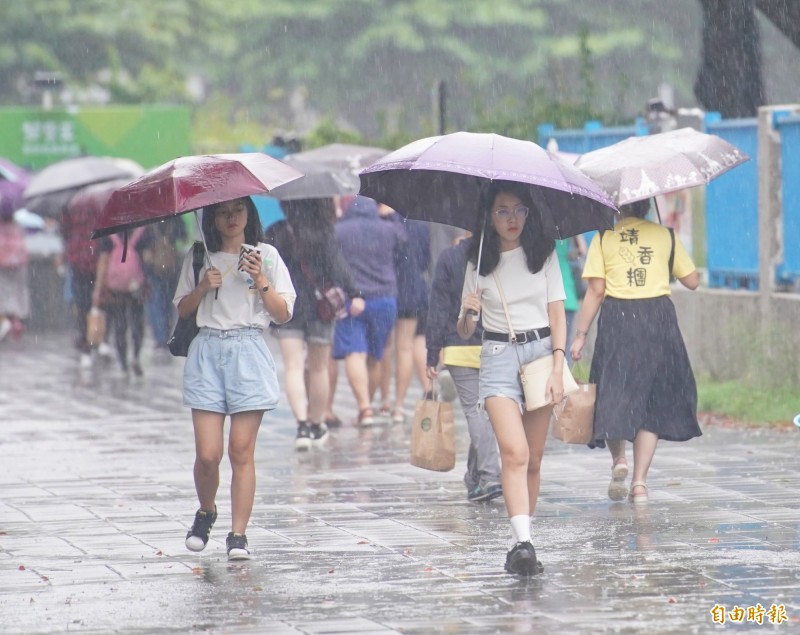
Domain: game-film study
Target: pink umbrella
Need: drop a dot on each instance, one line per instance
(189, 183)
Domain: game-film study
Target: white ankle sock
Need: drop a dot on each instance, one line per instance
(521, 528)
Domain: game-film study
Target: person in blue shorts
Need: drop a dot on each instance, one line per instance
(229, 370)
(368, 245)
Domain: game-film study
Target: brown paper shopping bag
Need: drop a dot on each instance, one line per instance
(573, 418)
(433, 436)
(96, 326)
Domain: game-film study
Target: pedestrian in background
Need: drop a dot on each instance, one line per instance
(14, 293)
(162, 264)
(518, 260)
(315, 263)
(571, 303)
(120, 288)
(368, 245)
(411, 260)
(81, 253)
(229, 370)
(463, 361)
(645, 386)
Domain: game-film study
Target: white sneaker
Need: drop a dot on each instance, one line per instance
(86, 360)
(104, 350)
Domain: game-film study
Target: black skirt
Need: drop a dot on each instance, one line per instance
(642, 371)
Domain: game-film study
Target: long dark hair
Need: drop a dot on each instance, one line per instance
(311, 222)
(252, 230)
(536, 245)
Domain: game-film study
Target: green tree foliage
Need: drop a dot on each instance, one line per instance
(370, 65)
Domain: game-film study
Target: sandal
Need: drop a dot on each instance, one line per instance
(617, 490)
(619, 470)
(638, 499)
(333, 421)
(398, 416)
(366, 417)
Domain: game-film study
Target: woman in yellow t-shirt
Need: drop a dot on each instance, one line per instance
(645, 386)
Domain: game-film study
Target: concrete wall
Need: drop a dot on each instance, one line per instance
(739, 335)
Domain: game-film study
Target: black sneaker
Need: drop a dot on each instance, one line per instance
(319, 433)
(485, 492)
(237, 547)
(303, 439)
(521, 560)
(197, 537)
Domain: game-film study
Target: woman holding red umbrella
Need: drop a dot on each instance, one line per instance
(229, 370)
(520, 288)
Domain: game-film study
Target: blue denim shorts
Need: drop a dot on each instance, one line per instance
(500, 367)
(229, 372)
(367, 333)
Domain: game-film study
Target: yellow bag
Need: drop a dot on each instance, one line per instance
(96, 326)
(573, 418)
(433, 436)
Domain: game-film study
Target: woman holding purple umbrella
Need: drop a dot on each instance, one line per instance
(520, 286)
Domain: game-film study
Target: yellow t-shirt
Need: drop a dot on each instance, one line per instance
(634, 259)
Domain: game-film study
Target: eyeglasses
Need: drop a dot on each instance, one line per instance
(505, 213)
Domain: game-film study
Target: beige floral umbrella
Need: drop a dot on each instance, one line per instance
(639, 168)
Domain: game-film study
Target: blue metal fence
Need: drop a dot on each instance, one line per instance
(592, 136)
(789, 127)
(732, 211)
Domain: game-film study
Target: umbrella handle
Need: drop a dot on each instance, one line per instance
(471, 313)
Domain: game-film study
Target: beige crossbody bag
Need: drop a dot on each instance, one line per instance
(534, 375)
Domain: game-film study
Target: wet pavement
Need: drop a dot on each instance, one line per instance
(96, 495)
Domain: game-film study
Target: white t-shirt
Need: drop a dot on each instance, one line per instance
(527, 294)
(238, 304)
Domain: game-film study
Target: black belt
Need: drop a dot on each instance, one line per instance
(522, 338)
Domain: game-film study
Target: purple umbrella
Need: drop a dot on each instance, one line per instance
(441, 179)
(13, 180)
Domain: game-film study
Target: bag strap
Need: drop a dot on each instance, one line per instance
(505, 308)
(310, 279)
(511, 331)
(198, 255)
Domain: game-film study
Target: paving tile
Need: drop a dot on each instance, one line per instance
(96, 495)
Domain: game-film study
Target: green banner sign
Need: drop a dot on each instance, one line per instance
(150, 135)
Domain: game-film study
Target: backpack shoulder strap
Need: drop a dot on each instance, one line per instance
(671, 251)
(198, 255)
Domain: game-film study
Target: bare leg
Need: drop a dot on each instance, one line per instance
(241, 452)
(208, 443)
(386, 368)
(355, 365)
(293, 353)
(514, 453)
(617, 489)
(644, 448)
(617, 449)
(333, 381)
(375, 374)
(421, 361)
(536, 425)
(318, 385)
(404, 343)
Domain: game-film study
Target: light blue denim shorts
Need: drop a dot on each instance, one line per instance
(229, 372)
(500, 367)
